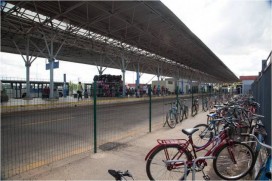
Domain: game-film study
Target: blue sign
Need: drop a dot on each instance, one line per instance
(55, 65)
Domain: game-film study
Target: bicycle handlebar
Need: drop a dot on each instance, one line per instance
(119, 174)
(262, 144)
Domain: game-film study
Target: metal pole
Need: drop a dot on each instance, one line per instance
(94, 113)
(124, 83)
(124, 76)
(177, 93)
(137, 77)
(64, 85)
(51, 86)
(51, 61)
(27, 64)
(192, 90)
(150, 106)
(27, 80)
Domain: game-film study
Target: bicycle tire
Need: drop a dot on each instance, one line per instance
(171, 122)
(185, 113)
(203, 136)
(156, 169)
(193, 112)
(242, 151)
(205, 107)
(181, 115)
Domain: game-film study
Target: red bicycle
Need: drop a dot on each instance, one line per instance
(232, 160)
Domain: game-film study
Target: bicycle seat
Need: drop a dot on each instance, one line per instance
(189, 131)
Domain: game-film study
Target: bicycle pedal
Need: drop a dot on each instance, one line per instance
(206, 177)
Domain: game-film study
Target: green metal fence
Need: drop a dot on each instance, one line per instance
(38, 131)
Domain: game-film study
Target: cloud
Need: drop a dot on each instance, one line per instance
(239, 32)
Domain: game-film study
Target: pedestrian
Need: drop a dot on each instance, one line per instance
(79, 91)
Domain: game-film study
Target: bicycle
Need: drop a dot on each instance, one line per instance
(183, 111)
(195, 107)
(215, 121)
(205, 106)
(119, 175)
(228, 156)
(171, 116)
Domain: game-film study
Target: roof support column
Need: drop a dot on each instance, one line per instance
(123, 69)
(28, 61)
(177, 82)
(27, 64)
(158, 75)
(51, 63)
(100, 68)
(27, 79)
(51, 60)
(137, 77)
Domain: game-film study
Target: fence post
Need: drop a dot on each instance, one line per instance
(192, 100)
(94, 113)
(150, 107)
(177, 94)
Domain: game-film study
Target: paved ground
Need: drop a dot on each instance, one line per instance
(128, 156)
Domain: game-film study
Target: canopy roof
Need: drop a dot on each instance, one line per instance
(144, 33)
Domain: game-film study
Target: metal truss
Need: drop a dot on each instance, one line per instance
(144, 33)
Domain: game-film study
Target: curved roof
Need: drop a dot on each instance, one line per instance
(102, 32)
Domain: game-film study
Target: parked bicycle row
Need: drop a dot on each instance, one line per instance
(224, 137)
(179, 109)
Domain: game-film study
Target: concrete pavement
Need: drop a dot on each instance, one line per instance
(129, 155)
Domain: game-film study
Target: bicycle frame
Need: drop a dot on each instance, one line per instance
(217, 142)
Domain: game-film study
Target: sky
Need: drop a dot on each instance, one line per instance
(239, 32)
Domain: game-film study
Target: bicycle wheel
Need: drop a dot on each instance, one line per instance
(185, 113)
(205, 108)
(233, 161)
(193, 110)
(157, 169)
(202, 136)
(171, 122)
(181, 114)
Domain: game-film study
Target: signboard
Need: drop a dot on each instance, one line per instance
(55, 65)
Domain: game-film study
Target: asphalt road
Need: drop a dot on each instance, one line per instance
(30, 139)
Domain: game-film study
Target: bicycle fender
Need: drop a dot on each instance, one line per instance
(161, 145)
(151, 151)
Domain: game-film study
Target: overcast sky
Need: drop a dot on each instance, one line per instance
(239, 32)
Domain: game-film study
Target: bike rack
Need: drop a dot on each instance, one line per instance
(181, 161)
(194, 164)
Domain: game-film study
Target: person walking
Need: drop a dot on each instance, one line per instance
(79, 91)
